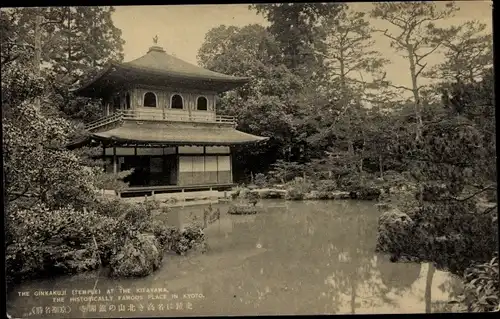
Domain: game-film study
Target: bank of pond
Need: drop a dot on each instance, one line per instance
(293, 257)
(133, 240)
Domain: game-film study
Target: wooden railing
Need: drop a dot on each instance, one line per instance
(104, 121)
(158, 115)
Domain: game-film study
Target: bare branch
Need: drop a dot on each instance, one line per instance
(419, 58)
(422, 67)
(388, 35)
(400, 87)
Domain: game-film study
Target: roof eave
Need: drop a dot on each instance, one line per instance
(179, 143)
(228, 79)
(105, 71)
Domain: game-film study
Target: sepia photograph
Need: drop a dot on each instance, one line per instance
(249, 159)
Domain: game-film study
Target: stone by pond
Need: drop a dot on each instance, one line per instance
(243, 209)
(296, 257)
(367, 193)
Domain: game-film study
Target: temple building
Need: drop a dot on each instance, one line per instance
(159, 118)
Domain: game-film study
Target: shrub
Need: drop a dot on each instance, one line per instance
(260, 180)
(242, 209)
(298, 188)
(60, 241)
(326, 185)
(451, 235)
(481, 290)
(365, 193)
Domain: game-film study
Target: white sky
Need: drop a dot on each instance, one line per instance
(181, 29)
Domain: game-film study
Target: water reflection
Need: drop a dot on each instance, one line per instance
(307, 258)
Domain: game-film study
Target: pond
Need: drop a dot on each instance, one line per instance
(293, 258)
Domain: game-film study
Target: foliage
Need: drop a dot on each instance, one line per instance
(260, 180)
(242, 209)
(285, 171)
(44, 241)
(415, 39)
(37, 167)
(481, 287)
(468, 53)
(349, 54)
(300, 29)
(74, 41)
(298, 188)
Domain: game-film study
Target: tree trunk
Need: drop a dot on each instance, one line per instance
(416, 96)
(38, 49)
(428, 288)
(353, 296)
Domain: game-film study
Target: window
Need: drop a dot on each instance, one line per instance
(202, 104)
(150, 99)
(128, 101)
(177, 102)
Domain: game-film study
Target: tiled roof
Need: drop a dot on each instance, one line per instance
(159, 67)
(177, 134)
(157, 60)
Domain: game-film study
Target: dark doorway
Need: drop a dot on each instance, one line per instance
(150, 170)
(140, 164)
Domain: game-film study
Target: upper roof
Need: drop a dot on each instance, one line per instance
(159, 68)
(157, 60)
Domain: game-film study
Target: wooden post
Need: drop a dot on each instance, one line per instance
(104, 156)
(115, 161)
(230, 166)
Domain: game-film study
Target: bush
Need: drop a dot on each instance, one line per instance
(451, 235)
(55, 241)
(326, 186)
(260, 180)
(365, 193)
(481, 290)
(298, 188)
(242, 209)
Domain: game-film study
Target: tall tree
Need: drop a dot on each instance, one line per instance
(413, 23)
(467, 50)
(266, 105)
(349, 56)
(301, 31)
(69, 41)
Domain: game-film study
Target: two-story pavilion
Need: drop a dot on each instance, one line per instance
(159, 118)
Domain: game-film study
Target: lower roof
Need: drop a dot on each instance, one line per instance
(155, 132)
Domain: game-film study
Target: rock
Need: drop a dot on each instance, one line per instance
(312, 195)
(80, 260)
(243, 209)
(243, 192)
(138, 257)
(340, 195)
(190, 238)
(395, 232)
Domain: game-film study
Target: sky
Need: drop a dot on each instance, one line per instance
(181, 29)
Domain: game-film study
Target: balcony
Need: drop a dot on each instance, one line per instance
(161, 115)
